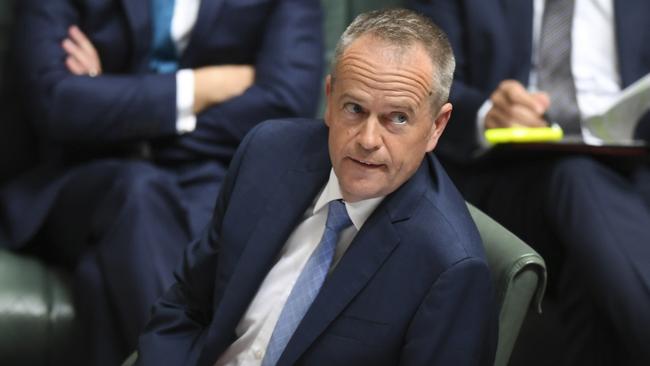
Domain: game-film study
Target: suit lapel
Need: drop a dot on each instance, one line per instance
(371, 247)
(138, 17)
(630, 18)
(208, 11)
(364, 257)
(138, 14)
(292, 195)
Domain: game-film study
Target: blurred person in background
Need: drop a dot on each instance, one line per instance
(524, 63)
(138, 108)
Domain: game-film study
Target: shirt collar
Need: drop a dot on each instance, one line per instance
(358, 211)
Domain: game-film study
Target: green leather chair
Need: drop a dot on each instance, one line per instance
(519, 276)
(38, 323)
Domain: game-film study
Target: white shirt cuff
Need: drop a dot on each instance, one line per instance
(185, 117)
(480, 123)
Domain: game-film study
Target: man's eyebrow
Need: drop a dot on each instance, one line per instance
(347, 95)
(401, 107)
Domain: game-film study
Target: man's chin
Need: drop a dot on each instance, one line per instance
(354, 193)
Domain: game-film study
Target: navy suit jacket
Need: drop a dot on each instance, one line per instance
(281, 38)
(413, 288)
(80, 118)
(492, 42)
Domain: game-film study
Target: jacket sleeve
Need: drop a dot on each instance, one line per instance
(120, 105)
(288, 78)
(456, 324)
(114, 106)
(179, 320)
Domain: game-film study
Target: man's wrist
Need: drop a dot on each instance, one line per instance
(480, 123)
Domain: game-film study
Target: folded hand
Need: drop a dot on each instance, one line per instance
(82, 57)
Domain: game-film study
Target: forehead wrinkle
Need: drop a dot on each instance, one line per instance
(389, 90)
(414, 99)
(360, 63)
(387, 78)
(395, 86)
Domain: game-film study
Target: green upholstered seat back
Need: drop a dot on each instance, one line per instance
(37, 317)
(519, 276)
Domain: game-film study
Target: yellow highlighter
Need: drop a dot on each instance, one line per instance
(523, 134)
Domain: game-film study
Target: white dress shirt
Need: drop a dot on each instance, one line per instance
(256, 326)
(183, 20)
(594, 61)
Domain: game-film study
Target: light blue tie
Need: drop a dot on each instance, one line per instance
(163, 56)
(308, 283)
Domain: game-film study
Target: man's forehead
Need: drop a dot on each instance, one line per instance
(381, 59)
(399, 72)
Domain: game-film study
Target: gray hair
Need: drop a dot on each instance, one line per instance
(402, 27)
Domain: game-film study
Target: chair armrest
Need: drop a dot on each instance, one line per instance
(519, 275)
(510, 255)
(37, 317)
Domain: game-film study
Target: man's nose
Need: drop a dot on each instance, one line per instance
(370, 134)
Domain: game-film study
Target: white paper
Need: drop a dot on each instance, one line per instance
(617, 124)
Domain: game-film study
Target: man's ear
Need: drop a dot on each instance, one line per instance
(328, 85)
(328, 93)
(439, 125)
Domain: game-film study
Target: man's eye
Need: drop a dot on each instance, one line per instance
(353, 108)
(398, 118)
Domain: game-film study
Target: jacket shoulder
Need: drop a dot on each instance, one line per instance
(442, 225)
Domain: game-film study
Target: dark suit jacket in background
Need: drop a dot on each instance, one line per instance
(80, 118)
(492, 42)
(413, 288)
(588, 216)
(114, 173)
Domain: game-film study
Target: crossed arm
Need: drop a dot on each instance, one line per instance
(212, 84)
(278, 76)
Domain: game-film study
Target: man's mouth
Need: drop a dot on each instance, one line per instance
(367, 164)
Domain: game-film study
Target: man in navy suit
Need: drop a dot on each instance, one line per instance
(408, 282)
(589, 218)
(139, 106)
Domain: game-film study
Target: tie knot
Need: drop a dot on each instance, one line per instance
(337, 216)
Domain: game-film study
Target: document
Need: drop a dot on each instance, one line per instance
(617, 124)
